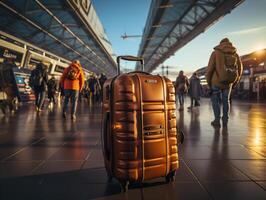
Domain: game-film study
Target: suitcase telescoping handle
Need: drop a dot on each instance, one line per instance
(129, 58)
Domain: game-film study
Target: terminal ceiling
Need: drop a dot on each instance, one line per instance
(171, 24)
(70, 29)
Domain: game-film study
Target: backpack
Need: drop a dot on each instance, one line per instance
(73, 73)
(36, 78)
(181, 84)
(229, 71)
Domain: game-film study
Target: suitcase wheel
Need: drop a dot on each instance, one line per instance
(124, 186)
(170, 177)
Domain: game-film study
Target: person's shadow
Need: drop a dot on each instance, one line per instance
(194, 127)
(218, 168)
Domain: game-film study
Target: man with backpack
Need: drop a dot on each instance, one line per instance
(223, 73)
(72, 80)
(38, 81)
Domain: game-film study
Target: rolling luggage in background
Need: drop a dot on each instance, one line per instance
(139, 127)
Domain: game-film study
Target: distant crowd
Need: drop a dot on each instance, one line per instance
(223, 73)
(72, 86)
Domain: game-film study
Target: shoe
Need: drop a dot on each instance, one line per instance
(181, 108)
(64, 115)
(73, 117)
(215, 123)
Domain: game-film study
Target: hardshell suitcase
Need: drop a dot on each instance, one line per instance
(139, 127)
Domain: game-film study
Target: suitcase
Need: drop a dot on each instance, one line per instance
(139, 133)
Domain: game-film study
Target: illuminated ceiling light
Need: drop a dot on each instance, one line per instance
(261, 64)
(150, 38)
(156, 25)
(166, 6)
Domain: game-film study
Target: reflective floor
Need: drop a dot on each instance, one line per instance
(45, 157)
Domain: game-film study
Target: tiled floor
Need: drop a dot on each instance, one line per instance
(45, 157)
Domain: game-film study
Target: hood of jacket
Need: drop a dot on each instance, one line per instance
(76, 65)
(225, 47)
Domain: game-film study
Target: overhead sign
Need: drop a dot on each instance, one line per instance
(8, 53)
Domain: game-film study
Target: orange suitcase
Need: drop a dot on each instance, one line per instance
(139, 132)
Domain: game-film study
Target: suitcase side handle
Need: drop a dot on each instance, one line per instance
(129, 58)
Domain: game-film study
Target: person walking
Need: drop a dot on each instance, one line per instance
(223, 73)
(52, 86)
(38, 81)
(8, 85)
(72, 80)
(102, 80)
(194, 91)
(94, 86)
(181, 85)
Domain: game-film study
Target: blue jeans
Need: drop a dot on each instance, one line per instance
(181, 98)
(73, 96)
(218, 98)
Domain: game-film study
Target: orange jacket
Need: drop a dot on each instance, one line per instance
(73, 84)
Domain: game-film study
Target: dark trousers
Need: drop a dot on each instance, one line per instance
(51, 96)
(39, 98)
(194, 101)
